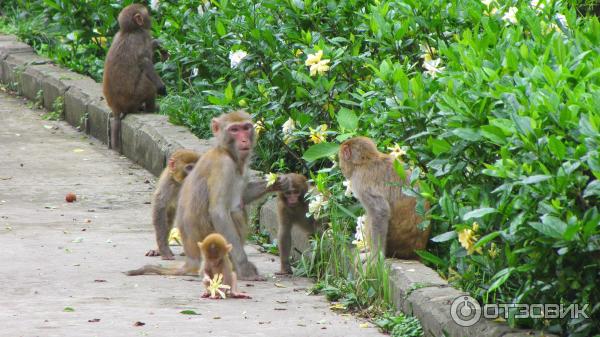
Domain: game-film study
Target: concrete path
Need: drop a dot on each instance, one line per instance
(57, 255)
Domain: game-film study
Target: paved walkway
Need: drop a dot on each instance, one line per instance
(57, 255)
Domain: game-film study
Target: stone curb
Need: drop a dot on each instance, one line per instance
(148, 139)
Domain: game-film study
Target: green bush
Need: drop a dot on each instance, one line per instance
(498, 111)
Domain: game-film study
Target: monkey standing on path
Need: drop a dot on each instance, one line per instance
(215, 260)
(129, 76)
(213, 197)
(164, 199)
(291, 211)
(391, 217)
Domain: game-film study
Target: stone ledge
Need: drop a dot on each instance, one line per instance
(149, 139)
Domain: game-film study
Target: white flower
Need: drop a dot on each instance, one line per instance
(236, 57)
(562, 20)
(487, 3)
(511, 15)
(154, 4)
(433, 67)
(348, 185)
(71, 36)
(312, 59)
(538, 5)
(200, 10)
(359, 236)
(316, 205)
(428, 52)
(298, 3)
(194, 72)
(316, 64)
(396, 151)
(288, 127)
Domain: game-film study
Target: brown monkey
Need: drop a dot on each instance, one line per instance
(213, 196)
(164, 199)
(291, 211)
(390, 214)
(215, 260)
(129, 76)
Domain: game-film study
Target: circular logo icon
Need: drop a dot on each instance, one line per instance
(465, 311)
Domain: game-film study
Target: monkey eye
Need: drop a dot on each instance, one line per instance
(247, 127)
(234, 129)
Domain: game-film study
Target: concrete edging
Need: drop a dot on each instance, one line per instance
(148, 139)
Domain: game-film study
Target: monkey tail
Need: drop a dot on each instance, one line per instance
(156, 269)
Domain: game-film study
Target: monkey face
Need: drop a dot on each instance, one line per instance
(292, 197)
(242, 134)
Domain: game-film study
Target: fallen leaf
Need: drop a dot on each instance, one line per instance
(95, 320)
(99, 281)
(109, 241)
(78, 150)
(67, 250)
(364, 325)
(217, 317)
(280, 309)
(138, 323)
(8, 228)
(87, 220)
(189, 312)
(323, 321)
(5, 178)
(337, 306)
(77, 240)
(266, 322)
(48, 127)
(249, 285)
(281, 302)
(301, 324)
(50, 207)
(68, 309)
(279, 285)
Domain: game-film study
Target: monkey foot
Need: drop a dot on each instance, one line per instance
(284, 272)
(241, 295)
(153, 252)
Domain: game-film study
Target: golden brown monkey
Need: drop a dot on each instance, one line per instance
(129, 76)
(390, 214)
(164, 199)
(215, 260)
(291, 211)
(214, 195)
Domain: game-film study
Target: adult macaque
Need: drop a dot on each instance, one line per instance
(391, 223)
(215, 260)
(130, 80)
(164, 200)
(291, 211)
(213, 197)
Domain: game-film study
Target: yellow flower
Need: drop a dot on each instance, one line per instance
(396, 151)
(428, 52)
(433, 67)
(271, 178)
(493, 251)
(298, 52)
(315, 58)
(259, 127)
(318, 135)
(467, 238)
(216, 285)
(100, 40)
(175, 237)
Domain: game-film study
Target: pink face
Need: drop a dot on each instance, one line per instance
(242, 133)
(292, 197)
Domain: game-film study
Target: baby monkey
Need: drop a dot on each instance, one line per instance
(164, 199)
(215, 260)
(291, 211)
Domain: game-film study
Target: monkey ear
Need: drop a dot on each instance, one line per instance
(346, 153)
(139, 19)
(229, 247)
(171, 164)
(214, 126)
(200, 244)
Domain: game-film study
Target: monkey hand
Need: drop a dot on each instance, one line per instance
(248, 272)
(162, 90)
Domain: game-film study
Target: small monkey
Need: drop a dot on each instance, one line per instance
(129, 76)
(164, 199)
(291, 211)
(214, 195)
(391, 217)
(215, 260)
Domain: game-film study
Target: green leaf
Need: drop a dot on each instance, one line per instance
(320, 150)
(494, 134)
(228, 93)
(189, 312)
(221, 28)
(467, 134)
(500, 278)
(399, 169)
(481, 242)
(444, 237)
(479, 213)
(550, 226)
(438, 146)
(427, 256)
(535, 179)
(557, 148)
(347, 119)
(68, 309)
(592, 189)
